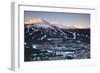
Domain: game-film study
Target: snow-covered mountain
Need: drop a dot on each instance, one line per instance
(42, 27)
(45, 28)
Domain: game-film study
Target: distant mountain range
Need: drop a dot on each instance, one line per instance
(39, 21)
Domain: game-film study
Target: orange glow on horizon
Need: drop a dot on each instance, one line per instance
(33, 21)
(66, 26)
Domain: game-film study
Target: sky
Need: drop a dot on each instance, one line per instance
(66, 19)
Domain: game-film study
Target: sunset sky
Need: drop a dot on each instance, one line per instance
(71, 20)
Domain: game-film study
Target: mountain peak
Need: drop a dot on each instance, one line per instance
(38, 22)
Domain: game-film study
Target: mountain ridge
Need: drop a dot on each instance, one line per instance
(43, 23)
